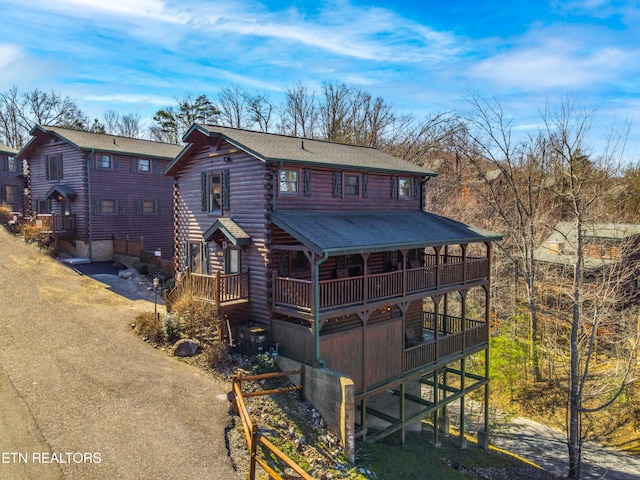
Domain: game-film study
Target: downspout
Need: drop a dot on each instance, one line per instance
(316, 307)
(89, 159)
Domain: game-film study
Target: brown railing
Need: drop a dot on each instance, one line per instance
(252, 433)
(128, 247)
(56, 223)
(341, 292)
(458, 343)
(217, 289)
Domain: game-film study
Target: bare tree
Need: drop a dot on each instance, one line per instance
(20, 112)
(232, 102)
(581, 184)
(259, 110)
(298, 114)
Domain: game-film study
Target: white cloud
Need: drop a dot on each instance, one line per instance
(149, 9)
(9, 54)
(550, 62)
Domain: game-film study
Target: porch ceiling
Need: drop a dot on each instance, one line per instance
(342, 232)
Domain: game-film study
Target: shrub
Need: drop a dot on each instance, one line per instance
(149, 327)
(30, 231)
(171, 327)
(217, 355)
(169, 284)
(263, 363)
(6, 214)
(198, 318)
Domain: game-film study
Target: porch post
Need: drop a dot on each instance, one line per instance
(463, 319)
(463, 440)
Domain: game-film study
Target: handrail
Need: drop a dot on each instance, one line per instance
(251, 431)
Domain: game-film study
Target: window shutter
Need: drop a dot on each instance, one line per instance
(337, 184)
(417, 189)
(116, 162)
(138, 207)
(121, 207)
(156, 167)
(46, 166)
(4, 165)
(205, 258)
(158, 207)
(3, 193)
(394, 187)
(307, 182)
(226, 190)
(95, 206)
(133, 165)
(365, 185)
(203, 191)
(60, 172)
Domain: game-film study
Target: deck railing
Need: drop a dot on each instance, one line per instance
(56, 223)
(298, 294)
(217, 289)
(448, 345)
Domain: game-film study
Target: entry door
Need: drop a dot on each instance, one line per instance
(195, 257)
(232, 263)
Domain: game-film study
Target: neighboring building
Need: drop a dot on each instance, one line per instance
(610, 254)
(11, 179)
(327, 245)
(91, 187)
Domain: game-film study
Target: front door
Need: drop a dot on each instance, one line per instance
(232, 263)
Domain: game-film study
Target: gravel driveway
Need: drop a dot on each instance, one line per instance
(82, 397)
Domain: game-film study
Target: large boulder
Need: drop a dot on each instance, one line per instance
(186, 348)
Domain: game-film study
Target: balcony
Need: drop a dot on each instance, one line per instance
(56, 224)
(218, 289)
(297, 295)
(453, 339)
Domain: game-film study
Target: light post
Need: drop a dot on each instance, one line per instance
(156, 282)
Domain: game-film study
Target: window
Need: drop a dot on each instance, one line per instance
(43, 206)
(148, 207)
(288, 181)
(404, 188)
(144, 165)
(103, 162)
(215, 194)
(108, 207)
(352, 185)
(12, 164)
(11, 193)
(53, 166)
(232, 260)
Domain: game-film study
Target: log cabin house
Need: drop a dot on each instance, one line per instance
(328, 247)
(11, 179)
(90, 188)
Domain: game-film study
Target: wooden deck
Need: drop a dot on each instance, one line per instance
(56, 224)
(218, 289)
(297, 295)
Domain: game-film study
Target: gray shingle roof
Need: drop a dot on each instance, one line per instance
(7, 149)
(110, 143)
(270, 147)
(560, 246)
(230, 229)
(339, 232)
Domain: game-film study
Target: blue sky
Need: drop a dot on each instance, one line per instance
(422, 56)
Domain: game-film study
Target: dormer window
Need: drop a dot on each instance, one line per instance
(104, 162)
(144, 165)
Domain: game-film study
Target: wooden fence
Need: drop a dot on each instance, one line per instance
(253, 435)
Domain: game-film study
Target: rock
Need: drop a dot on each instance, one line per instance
(185, 348)
(127, 274)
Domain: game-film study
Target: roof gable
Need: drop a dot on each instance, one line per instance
(270, 147)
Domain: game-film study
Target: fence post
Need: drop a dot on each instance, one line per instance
(253, 451)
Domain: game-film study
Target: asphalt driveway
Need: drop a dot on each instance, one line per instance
(82, 398)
